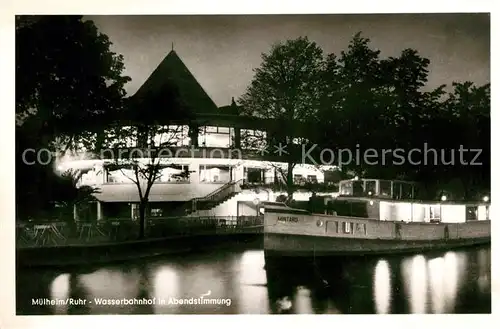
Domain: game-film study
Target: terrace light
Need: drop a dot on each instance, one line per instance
(443, 198)
(486, 198)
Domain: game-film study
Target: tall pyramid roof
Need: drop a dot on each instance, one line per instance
(172, 77)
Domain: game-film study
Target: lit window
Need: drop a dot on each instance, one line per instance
(434, 213)
(156, 212)
(471, 213)
(347, 227)
(312, 178)
(371, 187)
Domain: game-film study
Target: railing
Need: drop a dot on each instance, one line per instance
(122, 230)
(219, 194)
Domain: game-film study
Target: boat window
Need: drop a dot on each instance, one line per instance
(385, 188)
(357, 188)
(470, 213)
(347, 227)
(371, 187)
(487, 212)
(397, 190)
(346, 188)
(435, 213)
(360, 228)
(406, 191)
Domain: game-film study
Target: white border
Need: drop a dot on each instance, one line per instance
(7, 210)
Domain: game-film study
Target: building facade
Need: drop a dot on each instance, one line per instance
(217, 163)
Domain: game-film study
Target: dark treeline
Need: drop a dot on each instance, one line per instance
(69, 84)
(357, 100)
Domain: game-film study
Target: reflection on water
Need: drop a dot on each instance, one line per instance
(382, 287)
(449, 282)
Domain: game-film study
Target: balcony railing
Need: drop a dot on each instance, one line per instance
(122, 230)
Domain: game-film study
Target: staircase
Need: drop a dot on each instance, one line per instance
(212, 200)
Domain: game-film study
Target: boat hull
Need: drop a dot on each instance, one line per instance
(303, 245)
(294, 233)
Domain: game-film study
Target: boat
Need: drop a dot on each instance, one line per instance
(373, 216)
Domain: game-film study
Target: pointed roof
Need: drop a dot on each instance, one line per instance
(173, 77)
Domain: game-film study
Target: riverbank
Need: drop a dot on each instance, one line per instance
(88, 254)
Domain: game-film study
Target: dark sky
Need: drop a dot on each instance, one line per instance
(221, 51)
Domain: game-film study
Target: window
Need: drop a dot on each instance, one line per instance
(385, 188)
(357, 188)
(297, 179)
(120, 176)
(346, 188)
(397, 190)
(254, 175)
(360, 228)
(215, 174)
(347, 227)
(371, 187)
(156, 212)
(173, 135)
(312, 178)
(174, 174)
(211, 136)
(434, 213)
(407, 191)
(470, 213)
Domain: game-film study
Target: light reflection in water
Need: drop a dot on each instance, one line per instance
(454, 268)
(415, 281)
(436, 268)
(382, 287)
(166, 285)
(107, 283)
(483, 280)
(59, 289)
(431, 284)
(253, 296)
(302, 301)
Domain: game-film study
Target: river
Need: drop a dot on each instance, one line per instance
(236, 281)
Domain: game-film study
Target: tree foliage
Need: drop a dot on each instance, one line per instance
(378, 103)
(359, 101)
(68, 84)
(287, 89)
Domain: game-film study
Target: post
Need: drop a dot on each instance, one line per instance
(76, 216)
(99, 210)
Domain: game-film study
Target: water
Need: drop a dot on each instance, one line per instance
(245, 281)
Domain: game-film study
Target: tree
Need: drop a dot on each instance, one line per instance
(68, 83)
(143, 166)
(67, 78)
(286, 90)
(369, 102)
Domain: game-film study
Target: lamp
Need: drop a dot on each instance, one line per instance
(443, 198)
(486, 198)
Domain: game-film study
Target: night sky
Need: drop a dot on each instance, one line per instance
(222, 51)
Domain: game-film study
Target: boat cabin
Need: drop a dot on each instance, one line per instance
(379, 188)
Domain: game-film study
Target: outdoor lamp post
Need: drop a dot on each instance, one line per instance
(443, 199)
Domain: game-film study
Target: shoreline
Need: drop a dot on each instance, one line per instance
(80, 255)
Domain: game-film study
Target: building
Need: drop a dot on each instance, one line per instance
(215, 165)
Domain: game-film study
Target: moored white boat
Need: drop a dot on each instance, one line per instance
(376, 224)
